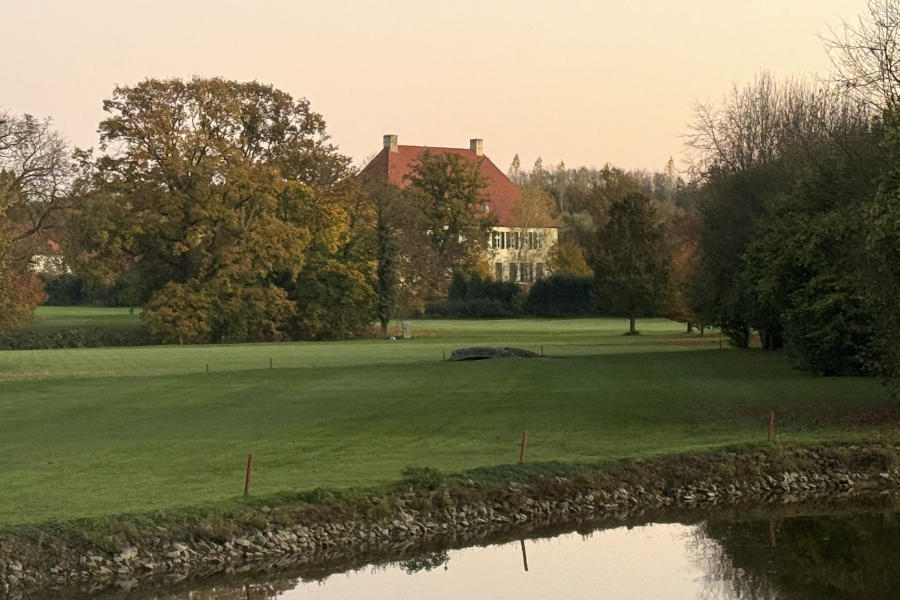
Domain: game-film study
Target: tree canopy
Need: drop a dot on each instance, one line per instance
(212, 194)
(630, 260)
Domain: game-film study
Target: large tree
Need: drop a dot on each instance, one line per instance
(748, 151)
(38, 174)
(36, 177)
(808, 260)
(20, 291)
(447, 228)
(683, 242)
(210, 194)
(630, 260)
(865, 56)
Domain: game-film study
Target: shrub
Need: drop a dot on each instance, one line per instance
(63, 290)
(333, 300)
(560, 296)
(218, 310)
(77, 337)
(476, 308)
(478, 297)
(425, 477)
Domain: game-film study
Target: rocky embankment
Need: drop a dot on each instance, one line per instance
(414, 513)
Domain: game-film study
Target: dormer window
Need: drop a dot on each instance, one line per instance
(485, 207)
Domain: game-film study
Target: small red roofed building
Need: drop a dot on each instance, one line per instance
(518, 251)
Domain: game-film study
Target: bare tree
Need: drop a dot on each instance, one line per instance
(738, 133)
(864, 55)
(36, 177)
(765, 120)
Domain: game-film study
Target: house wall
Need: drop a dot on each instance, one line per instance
(48, 263)
(521, 254)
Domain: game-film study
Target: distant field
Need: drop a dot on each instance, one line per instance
(99, 431)
(66, 317)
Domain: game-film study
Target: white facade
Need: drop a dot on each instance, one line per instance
(521, 254)
(51, 264)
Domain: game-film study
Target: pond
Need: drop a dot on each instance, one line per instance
(785, 552)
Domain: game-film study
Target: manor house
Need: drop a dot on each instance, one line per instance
(518, 251)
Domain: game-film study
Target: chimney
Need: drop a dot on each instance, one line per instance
(390, 141)
(476, 145)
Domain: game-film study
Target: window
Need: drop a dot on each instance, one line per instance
(513, 272)
(501, 239)
(526, 271)
(498, 271)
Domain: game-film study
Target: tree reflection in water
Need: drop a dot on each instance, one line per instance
(801, 558)
(797, 552)
(426, 562)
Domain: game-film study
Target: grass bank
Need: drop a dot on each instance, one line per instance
(88, 433)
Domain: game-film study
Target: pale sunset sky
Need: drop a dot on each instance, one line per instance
(582, 81)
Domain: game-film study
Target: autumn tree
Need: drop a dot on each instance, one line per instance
(38, 177)
(21, 291)
(630, 260)
(449, 225)
(682, 236)
(210, 193)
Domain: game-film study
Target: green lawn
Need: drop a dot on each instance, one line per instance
(70, 317)
(99, 431)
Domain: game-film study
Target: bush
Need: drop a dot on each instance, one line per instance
(829, 329)
(79, 337)
(476, 308)
(425, 477)
(63, 290)
(217, 310)
(477, 297)
(333, 301)
(560, 296)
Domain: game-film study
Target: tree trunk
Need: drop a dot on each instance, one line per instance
(631, 329)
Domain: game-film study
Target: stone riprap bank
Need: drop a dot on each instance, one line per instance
(410, 514)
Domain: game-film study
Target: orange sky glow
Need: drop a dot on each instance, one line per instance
(585, 82)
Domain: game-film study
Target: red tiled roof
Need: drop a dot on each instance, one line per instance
(502, 194)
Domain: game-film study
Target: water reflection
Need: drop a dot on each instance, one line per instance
(643, 562)
(795, 553)
(802, 558)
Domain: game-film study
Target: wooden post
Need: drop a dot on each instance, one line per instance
(772, 534)
(542, 354)
(771, 425)
(247, 478)
(524, 445)
(207, 367)
(524, 556)
(270, 362)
